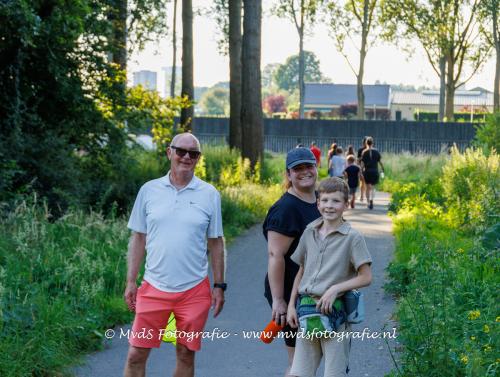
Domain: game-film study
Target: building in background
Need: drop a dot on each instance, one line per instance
(340, 100)
(168, 79)
(145, 78)
(408, 105)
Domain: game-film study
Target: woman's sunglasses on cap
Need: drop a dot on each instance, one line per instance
(181, 152)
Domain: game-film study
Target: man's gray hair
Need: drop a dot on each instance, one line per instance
(179, 136)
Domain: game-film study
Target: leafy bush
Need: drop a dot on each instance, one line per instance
(471, 181)
(488, 135)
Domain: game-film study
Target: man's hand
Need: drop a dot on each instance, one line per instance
(217, 300)
(326, 301)
(130, 295)
(279, 311)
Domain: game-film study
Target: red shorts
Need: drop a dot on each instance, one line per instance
(153, 308)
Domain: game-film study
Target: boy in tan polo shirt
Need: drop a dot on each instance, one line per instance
(333, 259)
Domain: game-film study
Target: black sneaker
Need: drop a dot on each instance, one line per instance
(371, 204)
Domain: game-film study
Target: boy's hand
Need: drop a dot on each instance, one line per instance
(291, 317)
(325, 303)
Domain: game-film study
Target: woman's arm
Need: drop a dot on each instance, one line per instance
(363, 278)
(278, 245)
(292, 312)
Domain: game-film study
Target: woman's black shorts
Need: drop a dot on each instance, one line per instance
(371, 176)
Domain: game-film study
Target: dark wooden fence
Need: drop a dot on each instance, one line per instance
(390, 136)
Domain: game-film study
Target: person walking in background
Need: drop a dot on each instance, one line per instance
(350, 150)
(353, 174)
(332, 151)
(282, 228)
(333, 259)
(176, 218)
(370, 159)
(337, 164)
(317, 153)
(362, 184)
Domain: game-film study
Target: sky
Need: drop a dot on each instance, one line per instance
(385, 62)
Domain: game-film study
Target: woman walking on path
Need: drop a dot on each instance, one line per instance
(362, 186)
(284, 224)
(370, 159)
(337, 164)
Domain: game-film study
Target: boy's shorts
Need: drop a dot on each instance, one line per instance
(308, 353)
(153, 308)
(352, 190)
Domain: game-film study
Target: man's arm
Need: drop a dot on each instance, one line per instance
(136, 250)
(278, 245)
(216, 248)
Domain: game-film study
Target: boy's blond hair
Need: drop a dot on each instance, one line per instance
(334, 184)
(351, 158)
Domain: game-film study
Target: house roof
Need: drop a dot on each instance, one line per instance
(329, 95)
(431, 97)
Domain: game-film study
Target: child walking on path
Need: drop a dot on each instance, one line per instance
(333, 259)
(353, 174)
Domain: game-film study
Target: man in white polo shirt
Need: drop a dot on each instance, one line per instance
(175, 219)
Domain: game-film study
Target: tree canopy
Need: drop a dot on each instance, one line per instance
(286, 76)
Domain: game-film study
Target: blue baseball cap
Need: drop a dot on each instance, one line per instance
(299, 156)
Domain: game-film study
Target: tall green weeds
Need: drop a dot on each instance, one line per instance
(61, 286)
(446, 269)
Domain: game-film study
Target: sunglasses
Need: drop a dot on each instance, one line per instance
(181, 152)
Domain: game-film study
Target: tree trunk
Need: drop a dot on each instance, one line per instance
(496, 89)
(187, 62)
(301, 61)
(251, 107)
(174, 52)
(120, 36)
(442, 86)
(496, 40)
(235, 132)
(362, 57)
(450, 88)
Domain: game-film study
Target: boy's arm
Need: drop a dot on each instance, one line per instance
(292, 313)
(363, 278)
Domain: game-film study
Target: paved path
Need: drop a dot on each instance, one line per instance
(247, 309)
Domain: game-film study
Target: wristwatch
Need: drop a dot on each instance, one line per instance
(222, 286)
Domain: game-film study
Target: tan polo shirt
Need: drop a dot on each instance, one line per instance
(330, 261)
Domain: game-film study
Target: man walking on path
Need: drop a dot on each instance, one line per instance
(317, 153)
(175, 218)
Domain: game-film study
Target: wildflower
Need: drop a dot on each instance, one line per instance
(472, 338)
(486, 329)
(497, 319)
(460, 251)
(464, 359)
(474, 315)
(487, 348)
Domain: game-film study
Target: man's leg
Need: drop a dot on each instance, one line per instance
(185, 362)
(136, 362)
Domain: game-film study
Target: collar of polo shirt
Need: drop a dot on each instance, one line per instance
(190, 186)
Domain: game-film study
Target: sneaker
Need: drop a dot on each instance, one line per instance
(371, 204)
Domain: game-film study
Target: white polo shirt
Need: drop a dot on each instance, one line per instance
(177, 224)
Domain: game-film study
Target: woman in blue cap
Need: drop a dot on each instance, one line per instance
(284, 224)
